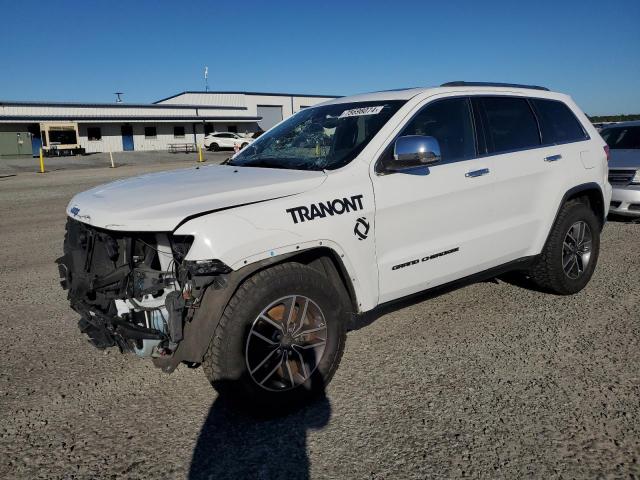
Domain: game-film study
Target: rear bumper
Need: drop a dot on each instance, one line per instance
(625, 201)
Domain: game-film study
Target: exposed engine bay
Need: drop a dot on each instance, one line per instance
(133, 290)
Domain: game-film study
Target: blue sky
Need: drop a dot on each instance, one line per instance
(86, 50)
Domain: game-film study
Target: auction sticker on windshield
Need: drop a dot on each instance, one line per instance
(357, 112)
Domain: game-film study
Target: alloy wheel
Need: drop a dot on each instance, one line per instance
(285, 343)
(576, 250)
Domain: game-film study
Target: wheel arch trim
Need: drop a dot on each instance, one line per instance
(331, 249)
(199, 331)
(599, 208)
(579, 191)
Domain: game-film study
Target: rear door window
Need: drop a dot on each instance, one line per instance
(558, 124)
(509, 124)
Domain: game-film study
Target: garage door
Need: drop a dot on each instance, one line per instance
(271, 114)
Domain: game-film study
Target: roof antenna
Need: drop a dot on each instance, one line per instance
(118, 97)
(206, 78)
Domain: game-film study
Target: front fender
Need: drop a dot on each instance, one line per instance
(250, 234)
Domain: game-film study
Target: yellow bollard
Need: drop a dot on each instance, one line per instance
(200, 159)
(41, 161)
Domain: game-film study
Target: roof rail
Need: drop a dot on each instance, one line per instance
(492, 84)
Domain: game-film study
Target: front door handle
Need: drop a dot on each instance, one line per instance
(553, 158)
(477, 173)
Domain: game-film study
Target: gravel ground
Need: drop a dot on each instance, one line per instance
(491, 380)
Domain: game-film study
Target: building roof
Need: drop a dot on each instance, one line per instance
(15, 111)
(266, 94)
(109, 105)
(194, 106)
(103, 119)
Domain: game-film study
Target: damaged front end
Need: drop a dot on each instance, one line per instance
(133, 290)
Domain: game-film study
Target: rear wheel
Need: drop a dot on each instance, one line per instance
(279, 340)
(243, 145)
(569, 257)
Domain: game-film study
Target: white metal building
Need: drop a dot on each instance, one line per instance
(182, 118)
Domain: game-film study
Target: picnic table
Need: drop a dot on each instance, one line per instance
(182, 147)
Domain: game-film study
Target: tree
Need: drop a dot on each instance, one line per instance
(615, 118)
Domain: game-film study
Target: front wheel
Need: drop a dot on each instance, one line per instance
(569, 257)
(279, 340)
(214, 147)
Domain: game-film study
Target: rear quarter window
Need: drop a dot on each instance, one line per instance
(558, 124)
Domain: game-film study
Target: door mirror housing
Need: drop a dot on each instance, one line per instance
(413, 151)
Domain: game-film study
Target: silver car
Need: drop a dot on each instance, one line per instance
(624, 167)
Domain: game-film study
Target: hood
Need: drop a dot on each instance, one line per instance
(624, 159)
(160, 201)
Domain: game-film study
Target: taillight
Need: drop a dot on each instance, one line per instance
(606, 152)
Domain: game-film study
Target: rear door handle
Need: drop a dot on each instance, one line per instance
(477, 173)
(553, 158)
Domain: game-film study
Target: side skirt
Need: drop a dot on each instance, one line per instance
(367, 318)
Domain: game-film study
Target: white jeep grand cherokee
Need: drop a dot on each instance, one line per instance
(256, 269)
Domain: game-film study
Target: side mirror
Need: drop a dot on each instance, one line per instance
(414, 151)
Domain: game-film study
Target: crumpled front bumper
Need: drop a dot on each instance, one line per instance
(96, 270)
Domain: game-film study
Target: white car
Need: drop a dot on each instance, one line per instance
(221, 140)
(256, 269)
(623, 139)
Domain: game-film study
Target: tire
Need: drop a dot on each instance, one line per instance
(548, 272)
(214, 147)
(239, 359)
(243, 145)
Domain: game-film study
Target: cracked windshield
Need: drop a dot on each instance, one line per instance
(320, 138)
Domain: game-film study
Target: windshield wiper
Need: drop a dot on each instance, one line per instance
(271, 163)
(258, 162)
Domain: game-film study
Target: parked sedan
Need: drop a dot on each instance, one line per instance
(219, 140)
(624, 167)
